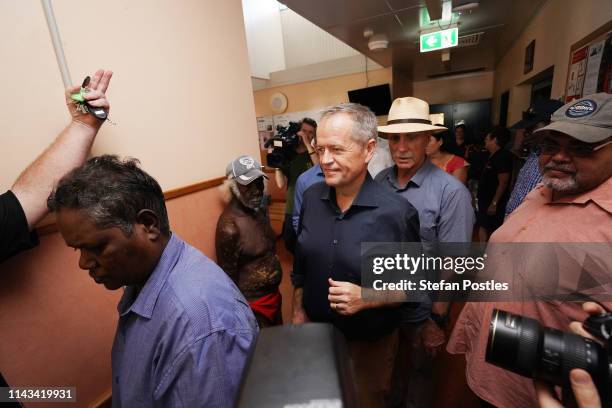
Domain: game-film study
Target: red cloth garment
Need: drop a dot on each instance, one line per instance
(455, 163)
(267, 305)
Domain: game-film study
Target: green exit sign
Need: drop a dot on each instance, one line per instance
(439, 40)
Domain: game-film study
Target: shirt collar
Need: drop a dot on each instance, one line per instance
(147, 298)
(418, 179)
(600, 195)
(319, 170)
(367, 196)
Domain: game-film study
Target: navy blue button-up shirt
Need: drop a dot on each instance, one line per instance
(329, 245)
(184, 339)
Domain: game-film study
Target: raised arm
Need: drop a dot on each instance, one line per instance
(69, 150)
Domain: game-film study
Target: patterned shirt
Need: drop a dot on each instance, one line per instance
(529, 176)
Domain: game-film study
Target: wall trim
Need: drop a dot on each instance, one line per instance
(104, 400)
(193, 188)
(48, 224)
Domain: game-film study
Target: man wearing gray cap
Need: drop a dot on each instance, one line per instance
(245, 241)
(572, 205)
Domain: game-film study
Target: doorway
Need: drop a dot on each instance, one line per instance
(475, 114)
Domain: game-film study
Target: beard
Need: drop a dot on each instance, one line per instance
(252, 203)
(566, 185)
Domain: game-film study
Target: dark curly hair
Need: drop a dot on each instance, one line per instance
(448, 143)
(112, 192)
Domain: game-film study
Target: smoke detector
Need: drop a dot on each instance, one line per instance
(378, 42)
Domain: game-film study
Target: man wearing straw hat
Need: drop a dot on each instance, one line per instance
(445, 214)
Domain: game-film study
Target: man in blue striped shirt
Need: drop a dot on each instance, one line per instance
(184, 330)
(529, 176)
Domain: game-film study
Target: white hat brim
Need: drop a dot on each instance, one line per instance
(410, 128)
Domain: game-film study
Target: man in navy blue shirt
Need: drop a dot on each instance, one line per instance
(337, 216)
(184, 330)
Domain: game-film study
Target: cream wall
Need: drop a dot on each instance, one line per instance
(181, 97)
(320, 93)
(325, 92)
(556, 26)
(462, 88)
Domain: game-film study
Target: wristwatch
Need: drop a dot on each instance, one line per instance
(440, 319)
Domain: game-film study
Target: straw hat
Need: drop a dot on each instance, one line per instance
(409, 115)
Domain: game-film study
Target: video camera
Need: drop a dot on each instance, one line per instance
(285, 142)
(521, 345)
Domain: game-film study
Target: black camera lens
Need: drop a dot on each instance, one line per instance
(521, 345)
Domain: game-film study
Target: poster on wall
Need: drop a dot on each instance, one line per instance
(591, 77)
(590, 64)
(265, 124)
(576, 74)
(264, 136)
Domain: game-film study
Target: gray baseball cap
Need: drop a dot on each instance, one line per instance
(244, 170)
(588, 119)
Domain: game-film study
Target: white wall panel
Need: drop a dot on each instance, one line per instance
(307, 44)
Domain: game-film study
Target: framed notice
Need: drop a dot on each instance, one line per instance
(529, 56)
(590, 65)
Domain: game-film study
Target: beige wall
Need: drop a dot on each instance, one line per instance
(325, 92)
(462, 88)
(181, 85)
(320, 93)
(556, 26)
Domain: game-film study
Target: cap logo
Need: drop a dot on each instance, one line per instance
(247, 162)
(580, 109)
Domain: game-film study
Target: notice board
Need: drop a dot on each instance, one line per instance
(590, 65)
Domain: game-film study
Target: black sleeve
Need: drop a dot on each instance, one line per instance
(15, 235)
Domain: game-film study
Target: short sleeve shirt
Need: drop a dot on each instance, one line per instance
(498, 163)
(15, 235)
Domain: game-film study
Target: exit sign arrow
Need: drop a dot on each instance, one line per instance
(439, 40)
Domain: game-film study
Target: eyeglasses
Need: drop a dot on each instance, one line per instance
(576, 150)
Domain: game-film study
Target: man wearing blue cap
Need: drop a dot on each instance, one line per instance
(572, 205)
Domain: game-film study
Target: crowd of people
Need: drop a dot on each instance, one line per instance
(187, 324)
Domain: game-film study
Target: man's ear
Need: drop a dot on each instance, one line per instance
(370, 148)
(150, 223)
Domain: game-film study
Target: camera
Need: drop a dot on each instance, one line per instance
(285, 142)
(521, 345)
